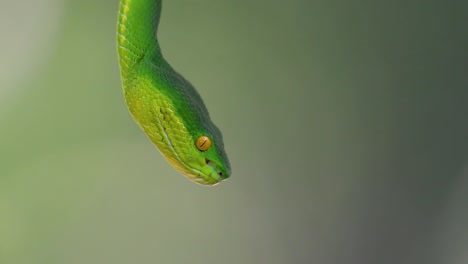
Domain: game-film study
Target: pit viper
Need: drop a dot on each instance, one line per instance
(163, 103)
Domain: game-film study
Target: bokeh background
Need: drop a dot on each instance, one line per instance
(345, 123)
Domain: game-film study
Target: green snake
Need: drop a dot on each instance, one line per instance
(165, 105)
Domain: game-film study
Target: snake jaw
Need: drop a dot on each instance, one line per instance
(216, 172)
(211, 174)
(204, 172)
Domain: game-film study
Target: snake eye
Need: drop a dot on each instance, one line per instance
(203, 143)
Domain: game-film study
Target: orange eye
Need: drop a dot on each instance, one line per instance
(203, 143)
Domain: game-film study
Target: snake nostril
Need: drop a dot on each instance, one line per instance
(220, 174)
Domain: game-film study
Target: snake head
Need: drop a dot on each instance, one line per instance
(205, 167)
(199, 156)
(210, 165)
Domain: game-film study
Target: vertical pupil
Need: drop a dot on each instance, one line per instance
(203, 143)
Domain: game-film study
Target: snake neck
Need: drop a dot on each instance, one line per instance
(136, 33)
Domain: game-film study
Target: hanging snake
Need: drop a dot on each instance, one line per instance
(164, 104)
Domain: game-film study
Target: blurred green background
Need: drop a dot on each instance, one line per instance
(345, 123)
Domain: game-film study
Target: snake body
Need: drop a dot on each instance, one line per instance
(165, 105)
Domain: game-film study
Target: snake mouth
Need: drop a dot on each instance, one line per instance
(216, 172)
